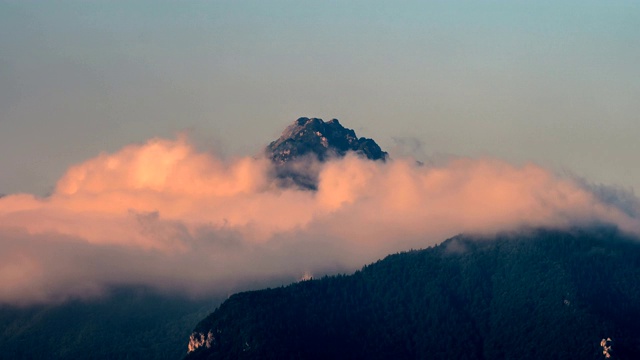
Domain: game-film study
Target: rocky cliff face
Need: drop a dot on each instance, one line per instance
(311, 139)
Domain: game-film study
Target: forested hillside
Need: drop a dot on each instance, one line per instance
(536, 294)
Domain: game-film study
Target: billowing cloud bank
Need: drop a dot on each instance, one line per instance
(164, 215)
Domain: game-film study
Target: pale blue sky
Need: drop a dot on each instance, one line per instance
(553, 82)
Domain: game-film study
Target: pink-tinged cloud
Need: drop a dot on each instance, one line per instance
(165, 215)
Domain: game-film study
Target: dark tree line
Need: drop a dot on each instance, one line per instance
(537, 294)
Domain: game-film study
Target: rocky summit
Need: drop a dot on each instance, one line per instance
(312, 136)
(314, 139)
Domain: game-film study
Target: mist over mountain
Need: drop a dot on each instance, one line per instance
(187, 226)
(128, 323)
(160, 157)
(125, 321)
(147, 213)
(532, 294)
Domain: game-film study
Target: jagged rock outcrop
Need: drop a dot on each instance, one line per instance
(197, 340)
(314, 139)
(312, 136)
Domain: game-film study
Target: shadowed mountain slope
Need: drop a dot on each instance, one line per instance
(542, 294)
(130, 323)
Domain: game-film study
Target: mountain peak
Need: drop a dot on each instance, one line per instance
(312, 137)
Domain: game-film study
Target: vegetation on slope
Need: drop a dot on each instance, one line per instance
(540, 294)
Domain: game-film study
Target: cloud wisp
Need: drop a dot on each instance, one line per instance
(164, 215)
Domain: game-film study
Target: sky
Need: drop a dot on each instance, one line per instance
(551, 82)
(129, 129)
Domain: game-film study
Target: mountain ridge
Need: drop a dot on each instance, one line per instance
(541, 293)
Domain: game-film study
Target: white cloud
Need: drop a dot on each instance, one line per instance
(164, 215)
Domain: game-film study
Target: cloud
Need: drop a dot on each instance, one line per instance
(408, 146)
(164, 215)
(619, 197)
